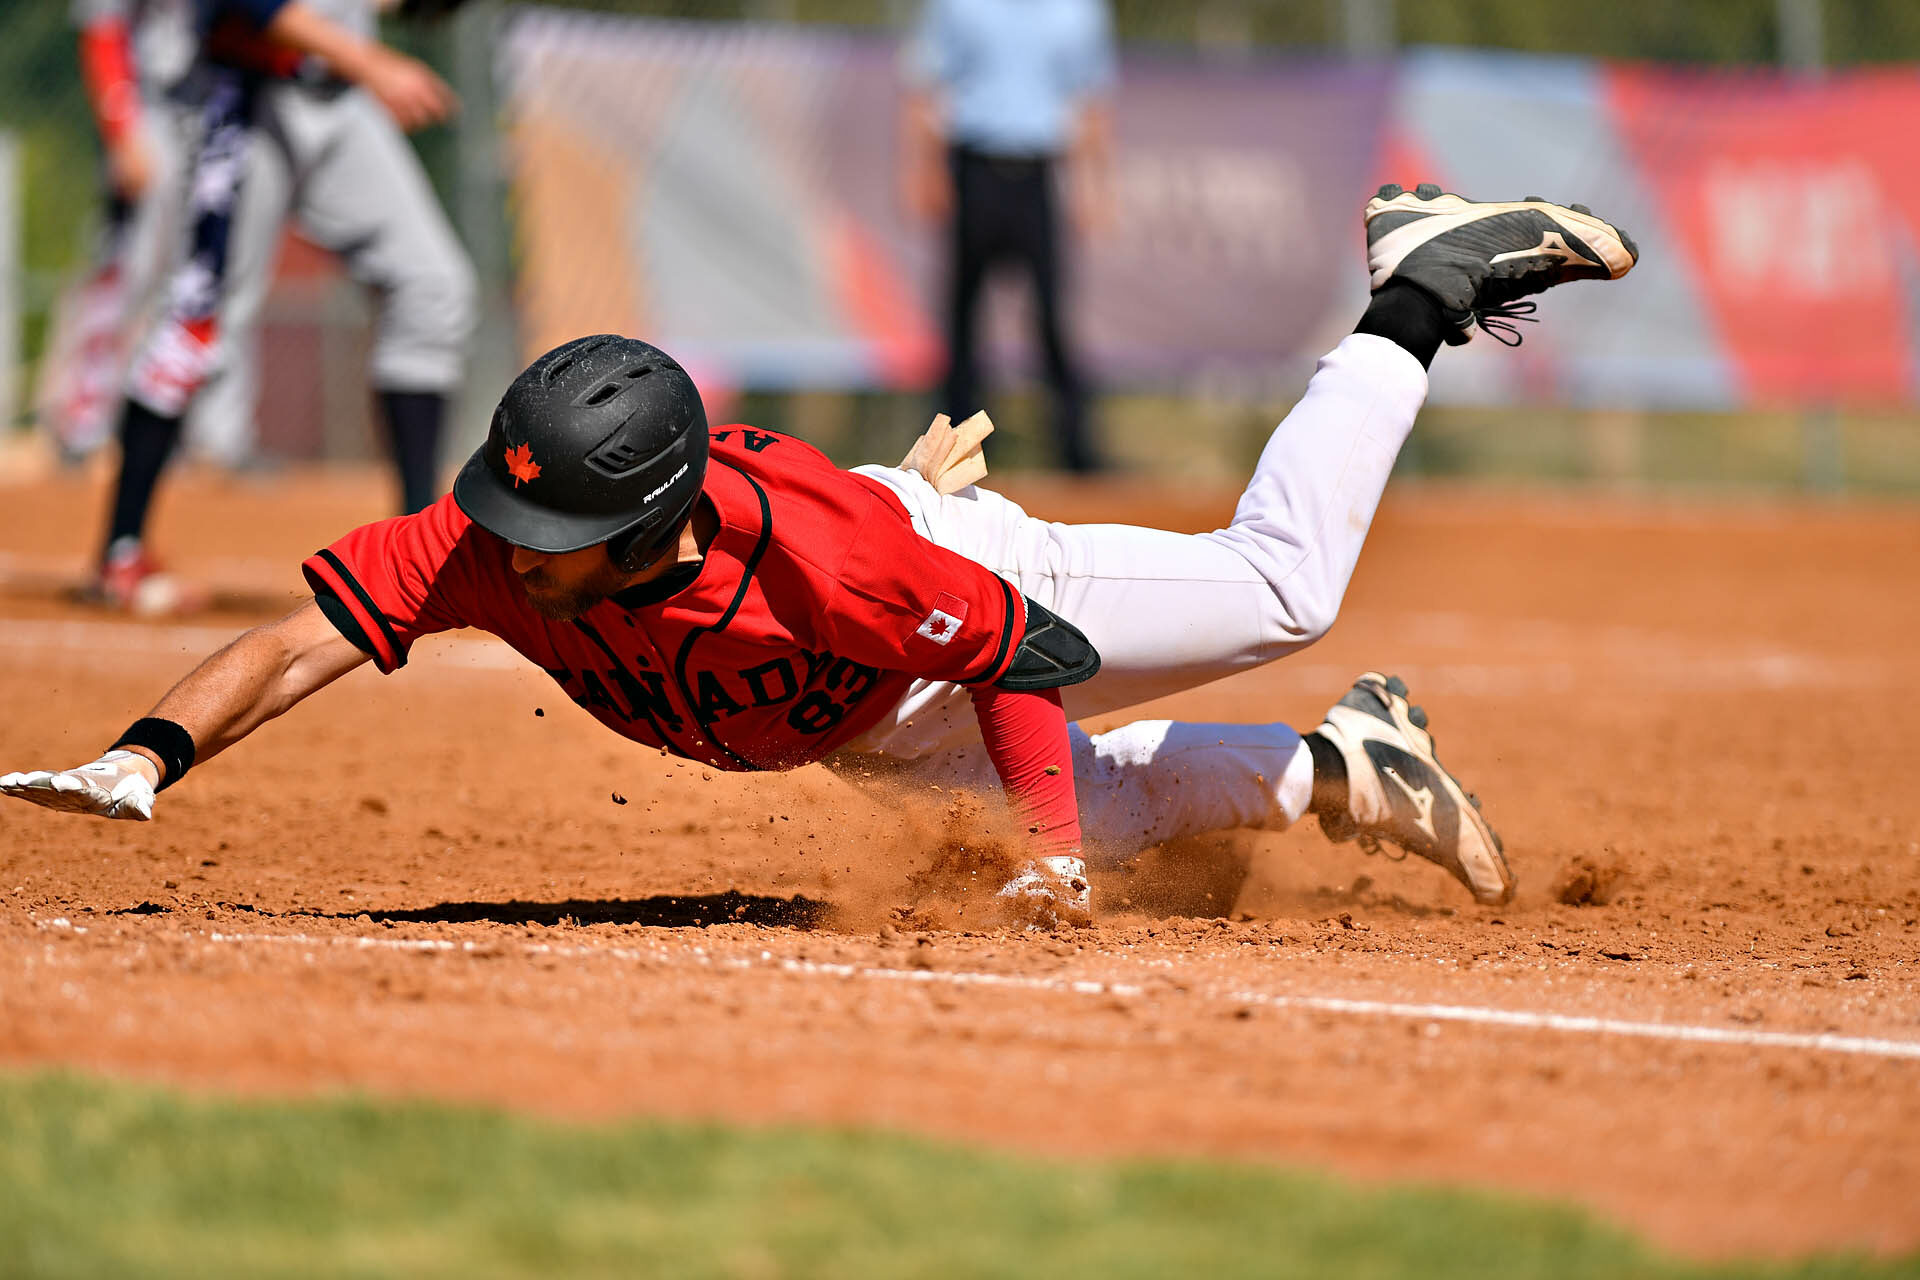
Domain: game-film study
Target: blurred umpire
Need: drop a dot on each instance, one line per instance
(1006, 112)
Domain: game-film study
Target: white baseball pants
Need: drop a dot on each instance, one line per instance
(1169, 612)
(341, 167)
(219, 421)
(338, 164)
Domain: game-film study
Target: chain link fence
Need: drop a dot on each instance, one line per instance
(44, 113)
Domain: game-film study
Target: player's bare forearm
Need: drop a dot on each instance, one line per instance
(926, 189)
(1090, 165)
(299, 27)
(262, 674)
(1092, 144)
(920, 129)
(406, 87)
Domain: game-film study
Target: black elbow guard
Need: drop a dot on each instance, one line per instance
(1052, 654)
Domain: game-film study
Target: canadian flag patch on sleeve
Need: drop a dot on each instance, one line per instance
(943, 624)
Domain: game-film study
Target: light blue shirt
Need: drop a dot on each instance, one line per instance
(1012, 72)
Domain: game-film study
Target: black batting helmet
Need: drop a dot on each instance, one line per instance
(603, 439)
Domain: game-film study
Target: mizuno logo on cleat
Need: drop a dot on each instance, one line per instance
(1551, 245)
(1422, 799)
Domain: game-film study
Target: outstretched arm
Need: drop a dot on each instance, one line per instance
(412, 94)
(1090, 167)
(926, 188)
(261, 674)
(1026, 737)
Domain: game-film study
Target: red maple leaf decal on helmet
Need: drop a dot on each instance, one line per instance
(521, 466)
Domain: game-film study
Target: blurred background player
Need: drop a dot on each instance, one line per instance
(135, 56)
(1006, 110)
(302, 116)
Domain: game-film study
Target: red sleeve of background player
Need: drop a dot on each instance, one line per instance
(238, 39)
(1026, 737)
(387, 584)
(106, 64)
(903, 603)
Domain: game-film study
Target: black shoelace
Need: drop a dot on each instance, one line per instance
(1498, 320)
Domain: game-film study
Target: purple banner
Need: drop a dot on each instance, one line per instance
(731, 192)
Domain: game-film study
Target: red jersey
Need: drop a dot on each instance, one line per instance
(816, 604)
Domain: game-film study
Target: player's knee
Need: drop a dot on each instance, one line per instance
(454, 296)
(1294, 595)
(1294, 616)
(1309, 618)
(437, 303)
(429, 318)
(466, 291)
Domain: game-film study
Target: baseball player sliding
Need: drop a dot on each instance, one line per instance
(729, 595)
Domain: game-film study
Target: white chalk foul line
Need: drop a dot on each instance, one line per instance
(1517, 1019)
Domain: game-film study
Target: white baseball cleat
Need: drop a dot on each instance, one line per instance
(1050, 892)
(133, 581)
(1480, 259)
(1397, 790)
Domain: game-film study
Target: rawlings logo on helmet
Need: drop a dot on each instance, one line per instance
(521, 466)
(667, 483)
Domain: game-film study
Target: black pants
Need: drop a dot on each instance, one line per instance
(1004, 213)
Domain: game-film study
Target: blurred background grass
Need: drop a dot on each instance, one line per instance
(122, 1180)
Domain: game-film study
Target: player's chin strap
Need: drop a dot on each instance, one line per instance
(1052, 654)
(642, 548)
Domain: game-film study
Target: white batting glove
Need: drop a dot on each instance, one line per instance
(117, 785)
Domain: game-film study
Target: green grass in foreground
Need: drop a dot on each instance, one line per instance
(110, 1180)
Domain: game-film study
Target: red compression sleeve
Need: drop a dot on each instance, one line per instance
(1026, 736)
(106, 64)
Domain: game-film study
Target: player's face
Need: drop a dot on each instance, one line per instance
(566, 585)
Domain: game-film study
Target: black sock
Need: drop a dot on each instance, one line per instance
(146, 442)
(413, 427)
(1409, 316)
(1329, 778)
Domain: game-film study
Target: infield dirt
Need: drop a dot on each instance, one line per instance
(1690, 722)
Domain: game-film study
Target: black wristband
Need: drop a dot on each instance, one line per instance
(173, 744)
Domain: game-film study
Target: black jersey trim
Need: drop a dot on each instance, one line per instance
(366, 602)
(344, 621)
(661, 589)
(739, 597)
(1006, 639)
